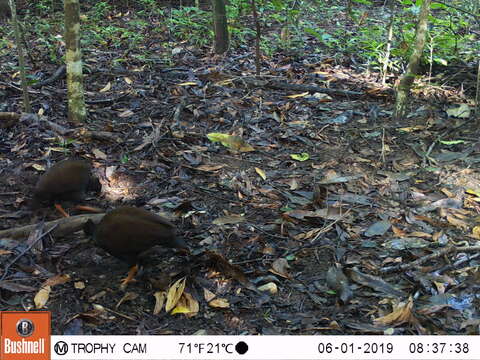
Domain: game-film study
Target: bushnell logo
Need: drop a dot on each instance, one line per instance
(25, 327)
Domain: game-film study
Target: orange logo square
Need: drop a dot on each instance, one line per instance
(25, 335)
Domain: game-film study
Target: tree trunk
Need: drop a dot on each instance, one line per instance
(21, 58)
(76, 102)
(406, 81)
(220, 26)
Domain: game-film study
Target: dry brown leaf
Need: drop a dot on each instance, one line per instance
(126, 113)
(208, 295)
(99, 154)
(80, 285)
(402, 313)
(160, 297)
(293, 183)
(279, 267)
(398, 232)
(127, 297)
(457, 222)
(420, 234)
(210, 167)
(219, 303)
(476, 232)
(174, 293)
(57, 280)
(221, 264)
(230, 219)
(308, 235)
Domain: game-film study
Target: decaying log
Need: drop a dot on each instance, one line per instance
(64, 226)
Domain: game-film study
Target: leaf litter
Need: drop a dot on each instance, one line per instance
(294, 208)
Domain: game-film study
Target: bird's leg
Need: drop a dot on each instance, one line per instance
(131, 273)
(61, 210)
(89, 208)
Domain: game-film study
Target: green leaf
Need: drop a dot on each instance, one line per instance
(452, 142)
(300, 157)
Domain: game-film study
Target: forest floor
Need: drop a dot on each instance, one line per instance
(316, 179)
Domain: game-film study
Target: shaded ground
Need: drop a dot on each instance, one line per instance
(372, 194)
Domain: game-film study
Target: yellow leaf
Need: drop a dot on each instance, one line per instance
(106, 88)
(174, 294)
(188, 83)
(231, 141)
(186, 305)
(271, 287)
(411, 128)
(224, 82)
(294, 96)
(261, 173)
(42, 296)
(38, 167)
(473, 192)
(476, 232)
(128, 80)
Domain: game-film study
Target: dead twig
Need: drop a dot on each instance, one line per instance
(7, 267)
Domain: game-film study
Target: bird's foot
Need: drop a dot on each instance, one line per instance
(89, 208)
(61, 210)
(130, 277)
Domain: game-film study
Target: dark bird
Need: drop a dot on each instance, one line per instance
(66, 180)
(127, 231)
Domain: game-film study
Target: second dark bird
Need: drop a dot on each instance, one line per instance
(66, 180)
(126, 232)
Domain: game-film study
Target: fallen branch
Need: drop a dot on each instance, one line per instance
(62, 226)
(280, 85)
(423, 259)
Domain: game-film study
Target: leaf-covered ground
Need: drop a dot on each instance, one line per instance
(311, 184)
